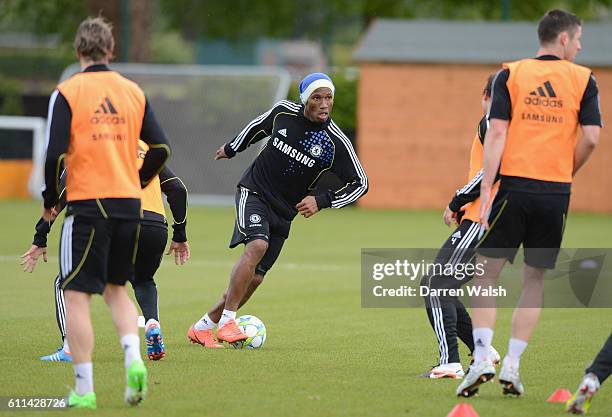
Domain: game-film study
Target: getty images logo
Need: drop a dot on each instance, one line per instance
(545, 96)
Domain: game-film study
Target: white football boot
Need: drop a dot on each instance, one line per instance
(478, 374)
(449, 370)
(511, 380)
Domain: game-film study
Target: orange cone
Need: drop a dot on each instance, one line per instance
(559, 396)
(462, 410)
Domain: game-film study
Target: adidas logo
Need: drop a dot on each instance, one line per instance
(540, 91)
(457, 234)
(283, 132)
(545, 96)
(106, 107)
(106, 113)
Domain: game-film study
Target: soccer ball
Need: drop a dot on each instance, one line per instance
(255, 329)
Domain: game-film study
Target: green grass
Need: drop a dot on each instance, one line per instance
(324, 356)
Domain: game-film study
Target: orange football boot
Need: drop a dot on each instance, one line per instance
(230, 332)
(205, 338)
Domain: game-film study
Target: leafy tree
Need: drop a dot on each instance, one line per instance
(63, 17)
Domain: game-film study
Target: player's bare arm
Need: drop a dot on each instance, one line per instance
(585, 146)
(494, 144)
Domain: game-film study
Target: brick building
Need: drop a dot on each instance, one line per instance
(419, 103)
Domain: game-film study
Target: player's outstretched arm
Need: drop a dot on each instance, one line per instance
(258, 129)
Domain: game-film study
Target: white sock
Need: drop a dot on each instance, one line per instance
(131, 347)
(482, 342)
(83, 374)
(205, 323)
(516, 347)
(151, 322)
(66, 347)
(226, 316)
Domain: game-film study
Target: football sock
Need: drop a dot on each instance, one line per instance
(226, 316)
(83, 374)
(482, 342)
(151, 322)
(516, 347)
(66, 347)
(205, 323)
(146, 295)
(131, 347)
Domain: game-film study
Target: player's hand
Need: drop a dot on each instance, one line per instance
(49, 214)
(449, 216)
(485, 203)
(181, 252)
(308, 206)
(220, 153)
(30, 258)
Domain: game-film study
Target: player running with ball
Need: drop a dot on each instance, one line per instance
(304, 143)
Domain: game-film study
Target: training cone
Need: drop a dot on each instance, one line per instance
(559, 396)
(462, 410)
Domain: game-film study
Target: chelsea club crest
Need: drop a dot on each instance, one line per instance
(316, 151)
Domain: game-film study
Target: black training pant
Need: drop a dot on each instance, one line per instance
(602, 365)
(447, 315)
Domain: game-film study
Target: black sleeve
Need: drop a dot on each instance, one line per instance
(43, 227)
(258, 129)
(62, 197)
(42, 230)
(347, 167)
(159, 149)
(176, 194)
(501, 106)
(471, 191)
(59, 121)
(590, 114)
(467, 194)
(482, 128)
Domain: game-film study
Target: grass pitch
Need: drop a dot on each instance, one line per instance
(324, 356)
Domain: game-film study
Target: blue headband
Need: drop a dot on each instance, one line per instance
(313, 81)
